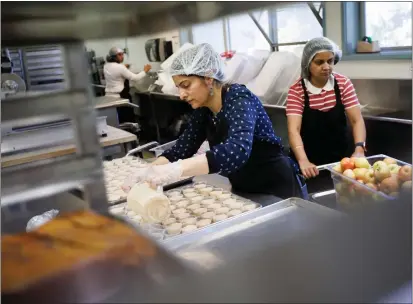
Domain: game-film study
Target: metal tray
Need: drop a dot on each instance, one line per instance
(236, 237)
(259, 206)
(168, 237)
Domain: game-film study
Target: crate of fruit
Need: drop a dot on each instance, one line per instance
(369, 179)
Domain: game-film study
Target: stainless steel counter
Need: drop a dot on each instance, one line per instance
(290, 252)
(372, 114)
(238, 237)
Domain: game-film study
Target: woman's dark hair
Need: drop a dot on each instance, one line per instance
(110, 58)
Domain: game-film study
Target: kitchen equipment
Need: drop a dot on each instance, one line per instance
(23, 138)
(6, 63)
(12, 84)
(157, 50)
(232, 239)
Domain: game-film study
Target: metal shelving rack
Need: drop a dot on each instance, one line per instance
(68, 24)
(84, 169)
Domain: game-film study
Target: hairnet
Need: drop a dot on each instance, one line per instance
(315, 46)
(200, 60)
(114, 51)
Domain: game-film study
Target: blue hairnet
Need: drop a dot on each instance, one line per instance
(314, 46)
(200, 60)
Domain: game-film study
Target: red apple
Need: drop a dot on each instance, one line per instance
(405, 173)
(394, 168)
(407, 187)
(390, 161)
(381, 171)
(360, 173)
(361, 162)
(347, 163)
(337, 168)
(349, 173)
(369, 177)
(396, 178)
(389, 185)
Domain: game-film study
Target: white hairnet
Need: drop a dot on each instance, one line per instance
(200, 60)
(114, 51)
(314, 46)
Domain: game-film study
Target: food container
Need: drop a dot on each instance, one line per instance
(188, 214)
(350, 193)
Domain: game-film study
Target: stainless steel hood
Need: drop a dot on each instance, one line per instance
(54, 22)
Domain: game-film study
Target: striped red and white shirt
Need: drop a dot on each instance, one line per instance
(322, 99)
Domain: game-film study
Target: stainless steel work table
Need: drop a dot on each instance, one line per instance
(293, 251)
(238, 237)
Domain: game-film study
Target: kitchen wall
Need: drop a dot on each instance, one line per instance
(136, 45)
(376, 69)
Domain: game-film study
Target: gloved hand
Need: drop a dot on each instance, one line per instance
(164, 174)
(136, 177)
(154, 175)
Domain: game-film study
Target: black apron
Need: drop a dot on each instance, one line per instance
(267, 171)
(126, 114)
(325, 134)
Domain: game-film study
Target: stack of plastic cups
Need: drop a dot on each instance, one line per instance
(155, 231)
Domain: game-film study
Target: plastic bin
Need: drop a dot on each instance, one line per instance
(351, 193)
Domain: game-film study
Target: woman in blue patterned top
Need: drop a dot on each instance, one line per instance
(243, 144)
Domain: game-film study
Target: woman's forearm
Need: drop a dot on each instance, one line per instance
(194, 166)
(297, 146)
(359, 135)
(359, 131)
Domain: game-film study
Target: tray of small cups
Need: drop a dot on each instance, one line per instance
(199, 205)
(193, 207)
(115, 173)
(155, 231)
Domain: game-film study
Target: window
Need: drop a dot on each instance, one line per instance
(244, 34)
(287, 24)
(210, 32)
(297, 23)
(388, 22)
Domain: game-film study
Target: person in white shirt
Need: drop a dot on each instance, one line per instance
(116, 73)
(117, 77)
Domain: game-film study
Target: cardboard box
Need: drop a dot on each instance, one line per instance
(365, 47)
